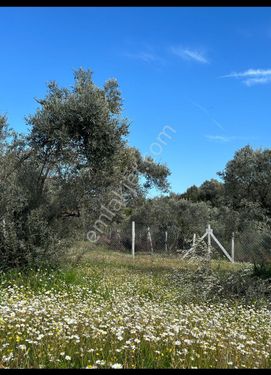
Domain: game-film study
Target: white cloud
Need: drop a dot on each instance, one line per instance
(249, 73)
(253, 76)
(257, 81)
(189, 54)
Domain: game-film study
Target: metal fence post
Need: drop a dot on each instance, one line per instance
(149, 238)
(133, 239)
(209, 241)
(232, 247)
(194, 240)
(166, 249)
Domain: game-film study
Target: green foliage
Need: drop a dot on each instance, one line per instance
(180, 218)
(26, 236)
(211, 191)
(262, 270)
(54, 180)
(247, 177)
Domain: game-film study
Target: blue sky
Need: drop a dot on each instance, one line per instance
(206, 72)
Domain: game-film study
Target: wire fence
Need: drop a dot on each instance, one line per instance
(253, 246)
(249, 246)
(150, 239)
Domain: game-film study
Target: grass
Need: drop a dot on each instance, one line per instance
(103, 309)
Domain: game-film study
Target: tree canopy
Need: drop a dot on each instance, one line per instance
(56, 177)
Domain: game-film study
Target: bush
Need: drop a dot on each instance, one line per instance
(262, 270)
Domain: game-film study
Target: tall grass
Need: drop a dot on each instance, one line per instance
(104, 309)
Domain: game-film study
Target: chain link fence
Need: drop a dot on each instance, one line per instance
(253, 246)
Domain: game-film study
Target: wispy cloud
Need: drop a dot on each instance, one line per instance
(252, 77)
(257, 81)
(190, 54)
(225, 139)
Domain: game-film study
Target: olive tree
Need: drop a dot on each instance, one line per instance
(58, 175)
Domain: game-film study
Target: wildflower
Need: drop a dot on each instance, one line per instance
(116, 365)
(22, 347)
(188, 342)
(100, 362)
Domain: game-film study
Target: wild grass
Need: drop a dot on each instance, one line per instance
(103, 309)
